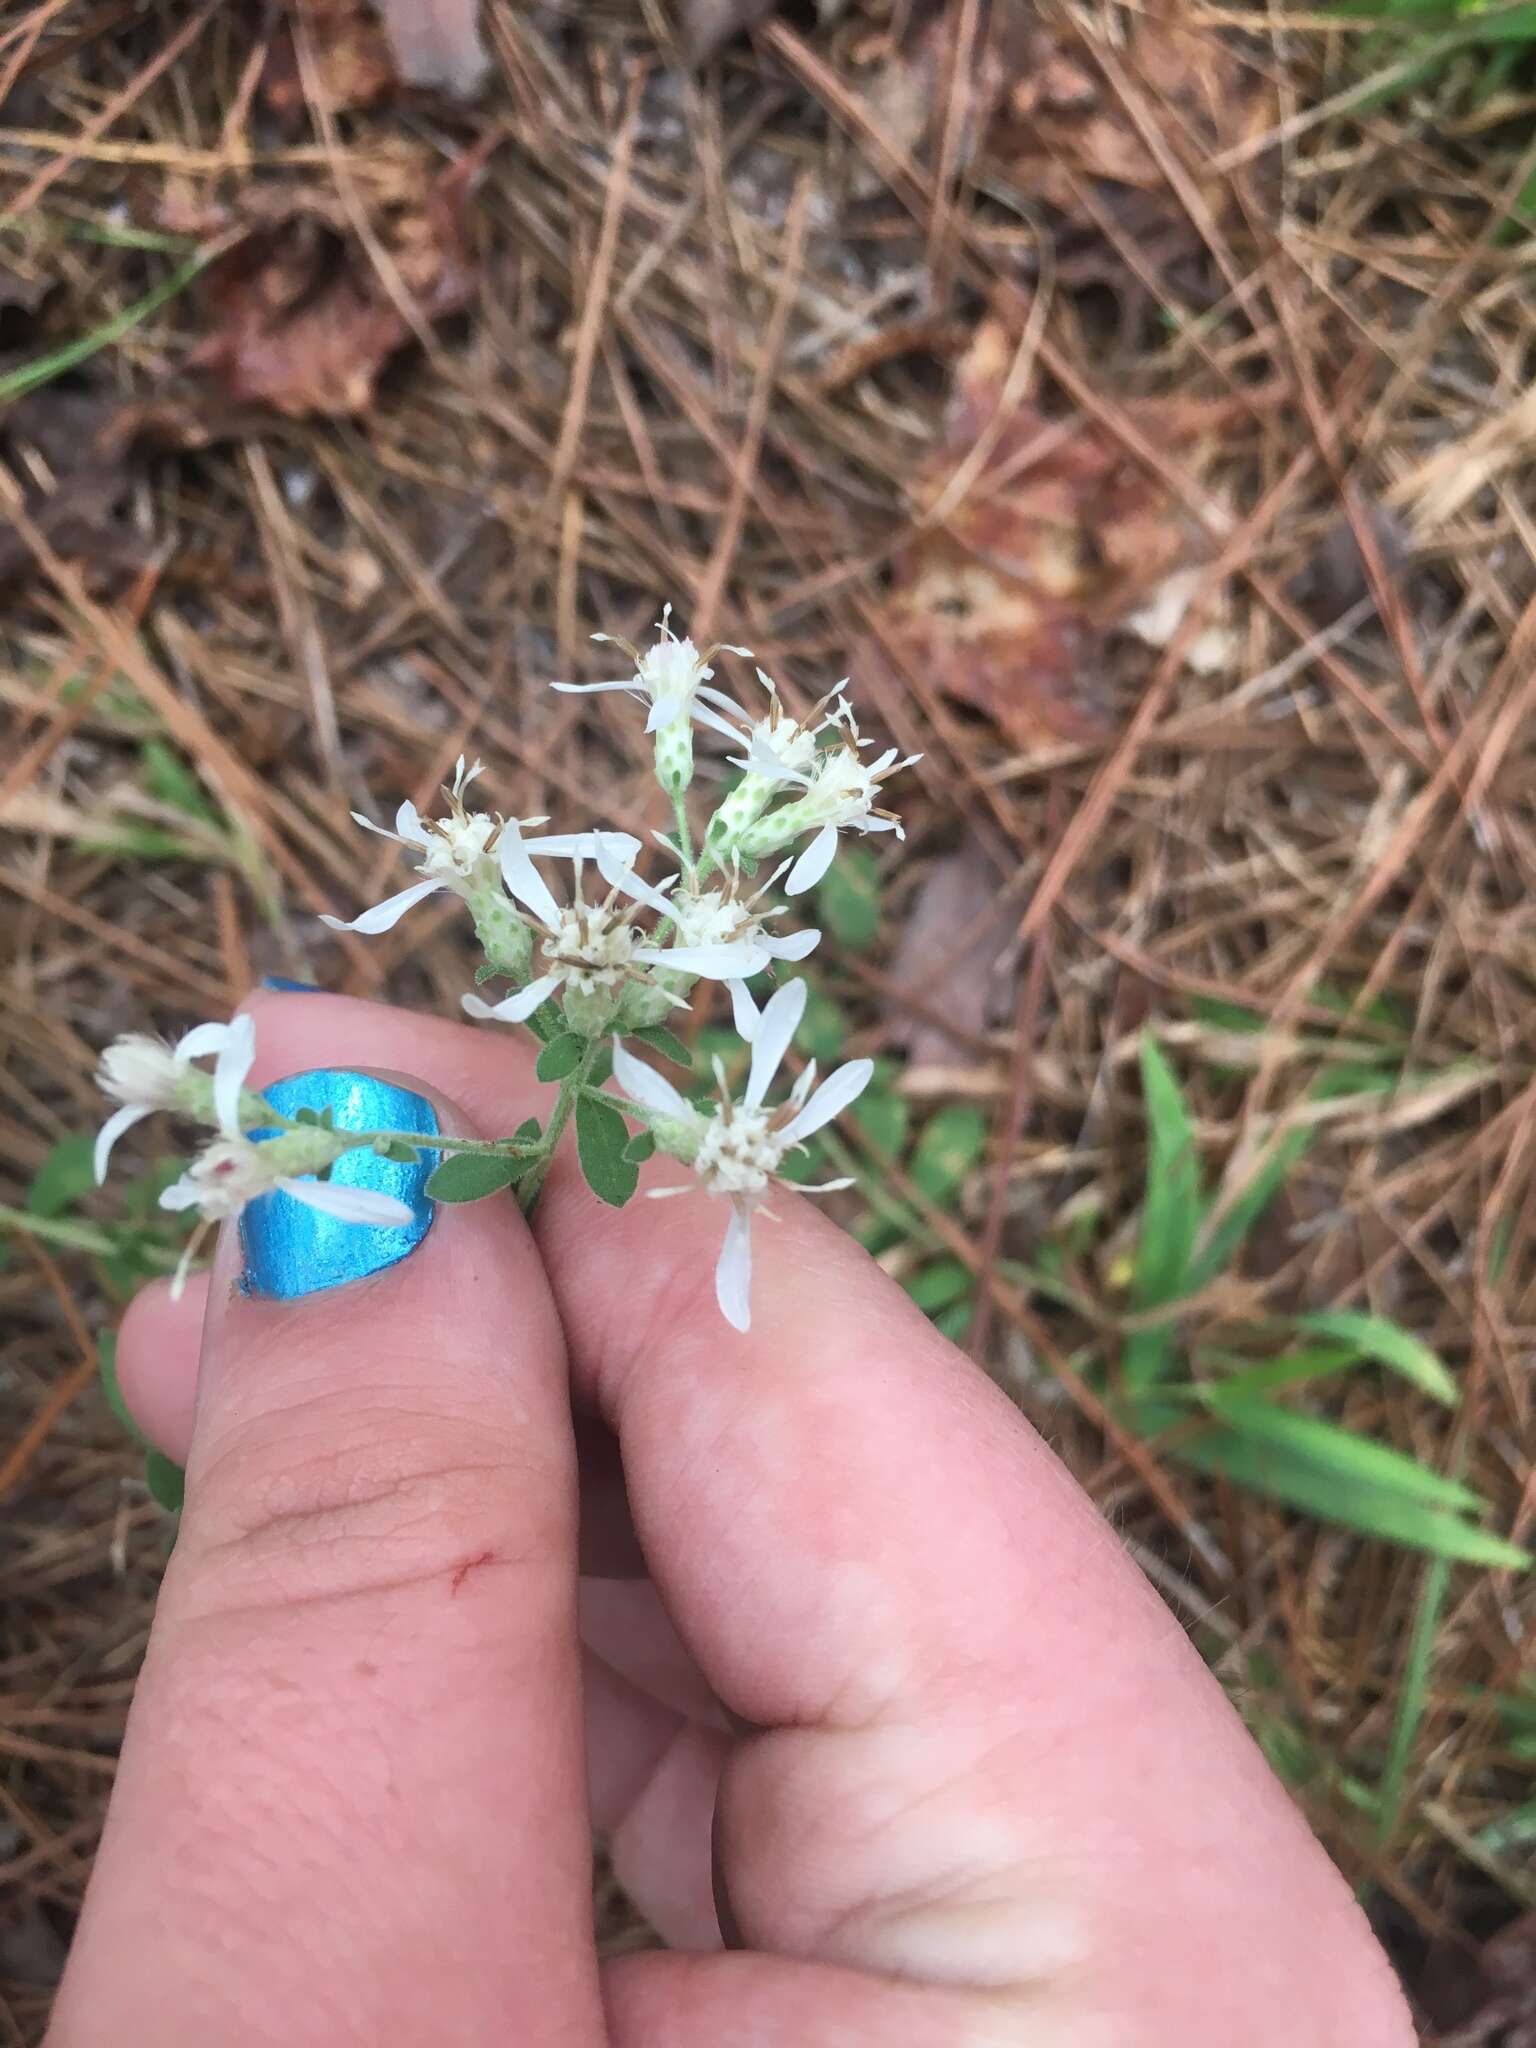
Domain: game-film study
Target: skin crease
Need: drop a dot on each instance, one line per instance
(970, 1785)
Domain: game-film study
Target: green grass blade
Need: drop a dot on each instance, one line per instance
(17, 382)
(1170, 1217)
(1411, 1697)
(1234, 1222)
(1298, 1483)
(1310, 1362)
(1386, 1342)
(1349, 1458)
(1171, 1213)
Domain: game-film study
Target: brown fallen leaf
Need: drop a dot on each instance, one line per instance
(353, 67)
(956, 938)
(301, 319)
(1024, 564)
(1064, 123)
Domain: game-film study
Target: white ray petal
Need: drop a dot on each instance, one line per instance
(745, 1015)
(383, 916)
(618, 876)
(705, 714)
(794, 945)
(718, 963)
(236, 1057)
(589, 689)
(350, 1205)
(119, 1121)
(644, 1085)
(181, 1194)
(813, 863)
(383, 831)
(408, 825)
(514, 1008)
(582, 845)
(779, 1023)
(201, 1040)
(523, 880)
(841, 1087)
(733, 1271)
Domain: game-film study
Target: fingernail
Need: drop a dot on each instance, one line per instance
(297, 988)
(291, 1249)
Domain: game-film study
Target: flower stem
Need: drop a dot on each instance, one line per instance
(442, 1141)
(684, 836)
(570, 1088)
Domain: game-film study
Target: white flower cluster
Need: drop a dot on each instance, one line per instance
(587, 962)
(143, 1075)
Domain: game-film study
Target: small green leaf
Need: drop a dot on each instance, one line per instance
(848, 899)
(881, 1114)
(823, 1028)
(951, 1142)
(666, 1042)
(560, 1057)
(640, 1148)
(602, 1140)
(601, 1068)
(939, 1285)
(65, 1175)
(166, 1481)
(471, 1176)
(168, 777)
(1388, 1344)
(401, 1153)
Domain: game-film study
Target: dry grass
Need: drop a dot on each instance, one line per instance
(715, 320)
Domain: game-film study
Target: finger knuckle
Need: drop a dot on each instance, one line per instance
(333, 1498)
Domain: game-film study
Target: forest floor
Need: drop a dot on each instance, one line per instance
(1135, 403)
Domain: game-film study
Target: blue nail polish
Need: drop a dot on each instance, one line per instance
(297, 988)
(291, 1249)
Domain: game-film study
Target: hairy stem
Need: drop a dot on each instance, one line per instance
(570, 1088)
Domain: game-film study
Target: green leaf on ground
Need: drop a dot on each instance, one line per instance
(64, 1176)
(949, 1145)
(848, 898)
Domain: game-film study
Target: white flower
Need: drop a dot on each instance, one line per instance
(462, 852)
(586, 947)
(737, 1148)
(590, 947)
(144, 1075)
(781, 750)
(722, 934)
(669, 679)
(841, 794)
(233, 1171)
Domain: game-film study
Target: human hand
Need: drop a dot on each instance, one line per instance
(966, 1780)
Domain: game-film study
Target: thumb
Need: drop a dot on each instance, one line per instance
(354, 1762)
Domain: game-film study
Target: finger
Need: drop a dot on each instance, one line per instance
(991, 1760)
(351, 1804)
(158, 1344)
